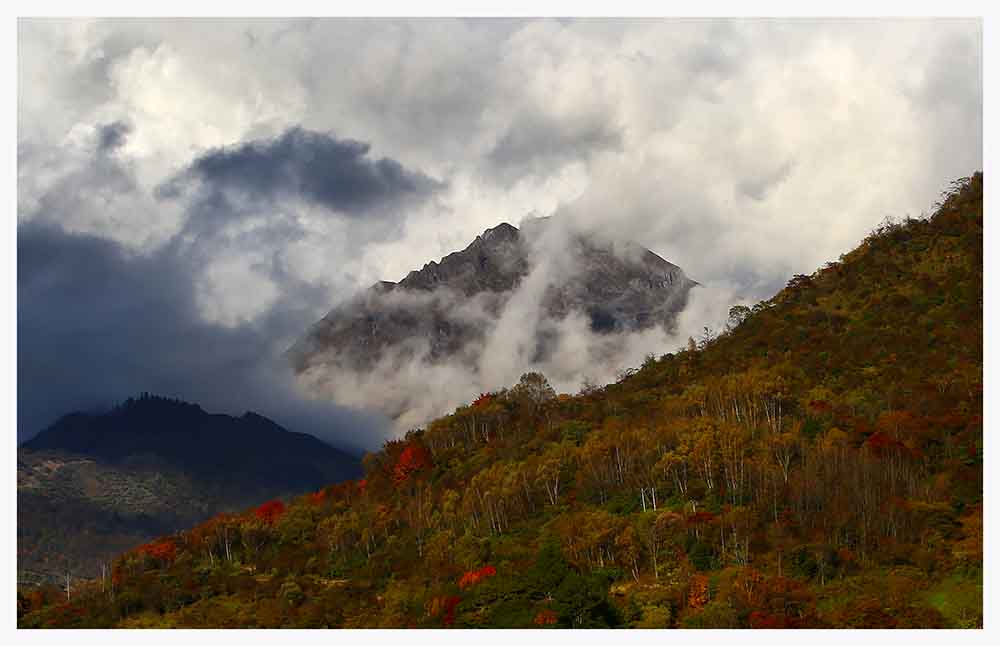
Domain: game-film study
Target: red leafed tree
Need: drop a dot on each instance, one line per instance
(449, 610)
(546, 618)
(412, 460)
(270, 511)
(474, 577)
(165, 551)
(484, 399)
(318, 498)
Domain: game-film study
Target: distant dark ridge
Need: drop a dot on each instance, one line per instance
(210, 445)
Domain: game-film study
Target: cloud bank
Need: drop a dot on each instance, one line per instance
(274, 167)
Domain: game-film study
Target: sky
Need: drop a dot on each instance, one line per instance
(193, 194)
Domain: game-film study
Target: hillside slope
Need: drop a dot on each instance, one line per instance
(250, 447)
(94, 484)
(818, 464)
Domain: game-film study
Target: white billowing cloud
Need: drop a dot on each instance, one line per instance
(188, 105)
(742, 150)
(778, 161)
(811, 131)
(414, 389)
(232, 290)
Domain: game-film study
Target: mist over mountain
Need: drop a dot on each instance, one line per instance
(571, 303)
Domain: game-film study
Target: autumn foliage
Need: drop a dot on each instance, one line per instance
(475, 577)
(818, 464)
(270, 511)
(165, 550)
(414, 459)
(698, 591)
(444, 607)
(484, 400)
(545, 618)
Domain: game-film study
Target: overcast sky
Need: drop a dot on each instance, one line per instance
(193, 194)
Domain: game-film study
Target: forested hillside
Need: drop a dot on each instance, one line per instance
(817, 464)
(95, 484)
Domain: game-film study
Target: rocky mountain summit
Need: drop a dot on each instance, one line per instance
(447, 309)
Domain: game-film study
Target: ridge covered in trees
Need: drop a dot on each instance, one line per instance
(817, 464)
(96, 483)
(251, 448)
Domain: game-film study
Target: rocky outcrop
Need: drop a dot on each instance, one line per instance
(445, 309)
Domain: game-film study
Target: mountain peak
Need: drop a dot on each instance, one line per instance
(502, 231)
(183, 434)
(149, 402)
(449, 310)
(92, 481)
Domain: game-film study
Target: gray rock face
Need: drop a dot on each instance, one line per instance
(445, 310)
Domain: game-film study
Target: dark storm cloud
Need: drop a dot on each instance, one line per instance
(264, 183)
(333, 173)
(97, 324)
(112, 136)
